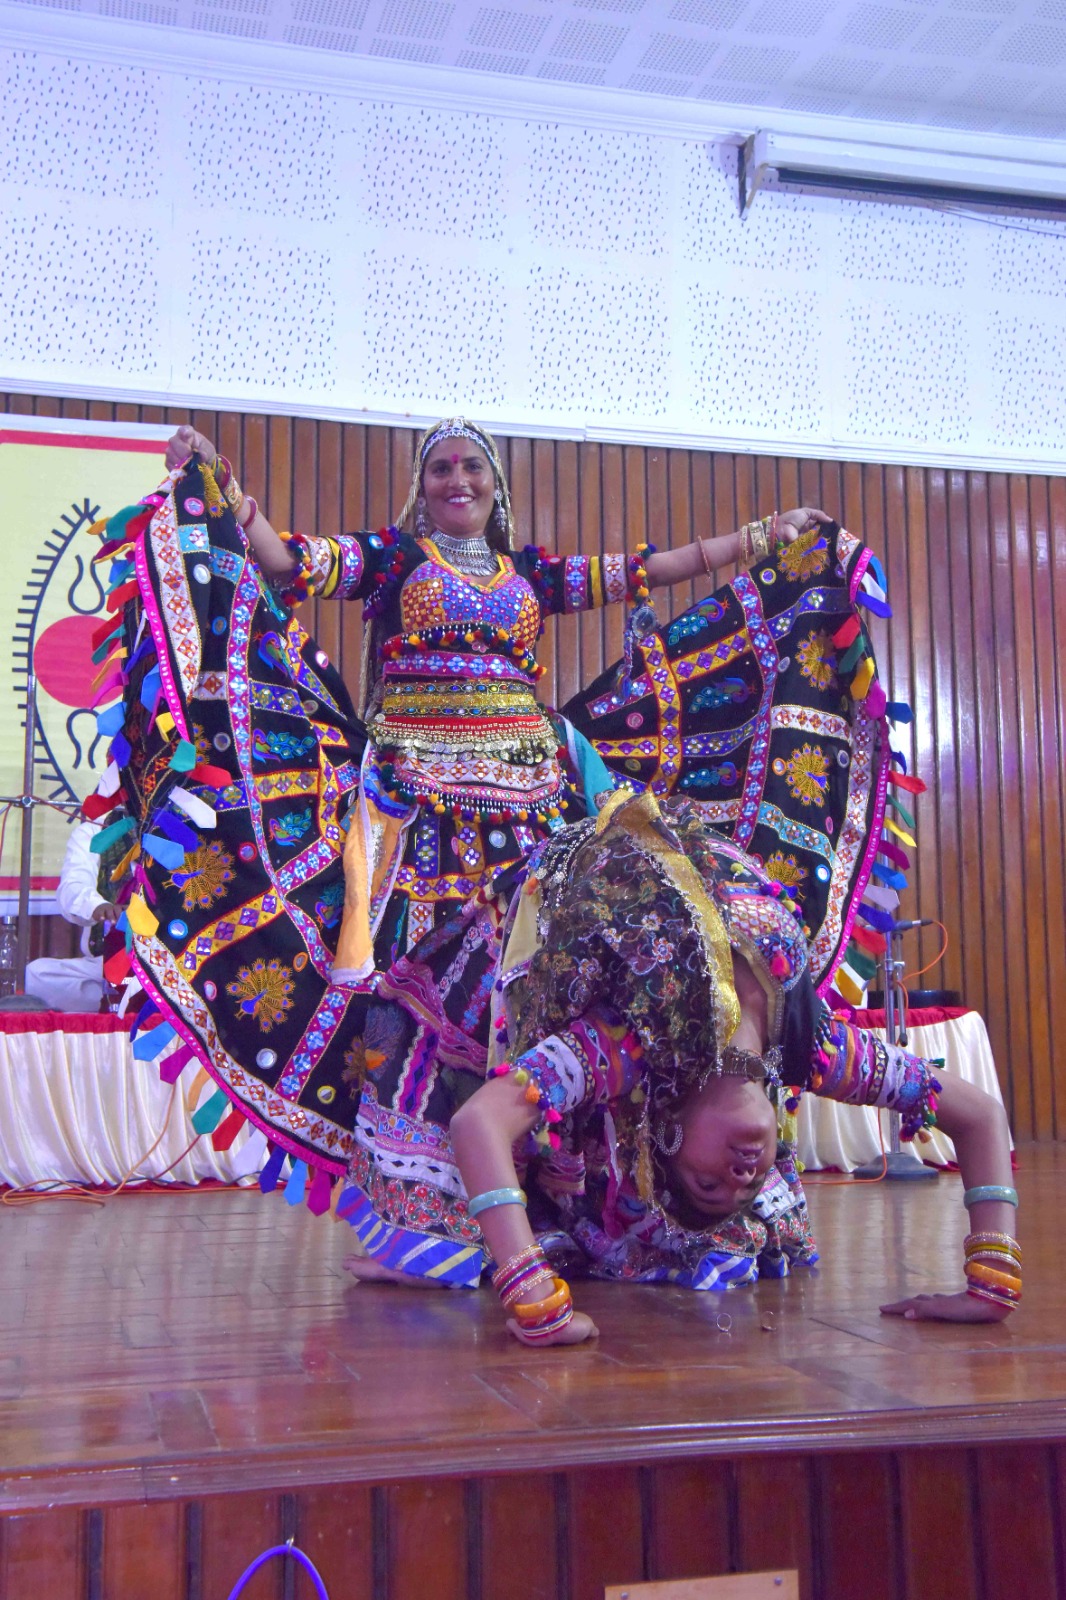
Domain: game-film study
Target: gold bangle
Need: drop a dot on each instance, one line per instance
(996, 1254)
(990, 1237)
(703, 557)
(534, 1310)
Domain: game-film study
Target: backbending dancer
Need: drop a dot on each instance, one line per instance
(655, 1006)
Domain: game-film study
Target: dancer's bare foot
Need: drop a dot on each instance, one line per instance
(367, 1270)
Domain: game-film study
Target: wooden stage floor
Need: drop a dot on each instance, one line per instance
(174, 1348)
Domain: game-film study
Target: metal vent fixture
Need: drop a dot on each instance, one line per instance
(806, 164)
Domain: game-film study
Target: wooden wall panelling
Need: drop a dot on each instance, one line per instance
(43, 1556)
(144, 1555)
(988, 979)
(691, 1525)
(1017, 1529)
(518, 1538)
(936, 1532)
(774, 1517)
(1052, 680)
(334, 1526)
(1045, 921)
(427, 1540)
(606, 1531)
(233, 1530)
(858, 1527)
(1011, 757)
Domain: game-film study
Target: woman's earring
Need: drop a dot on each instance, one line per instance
(421, 524)
(668, 1131)
(499, 514)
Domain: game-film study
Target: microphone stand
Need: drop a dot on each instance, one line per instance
(895, 1164)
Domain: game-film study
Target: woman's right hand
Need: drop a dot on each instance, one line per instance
(577, 1330)
(186, 442)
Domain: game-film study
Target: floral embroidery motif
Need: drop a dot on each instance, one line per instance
(816, 659)
(264, 991)
(807, 774)
(203, 876)
(785, 870)
(806, 556)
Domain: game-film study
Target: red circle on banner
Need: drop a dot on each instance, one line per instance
(62, 660)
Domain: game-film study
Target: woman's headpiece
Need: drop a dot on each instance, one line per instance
(460, 428)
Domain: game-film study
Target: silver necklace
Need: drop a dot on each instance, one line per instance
(474, 555)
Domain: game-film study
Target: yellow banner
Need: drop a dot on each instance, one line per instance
(56, 478)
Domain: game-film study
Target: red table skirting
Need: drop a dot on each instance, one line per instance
(922, 1017)
(63, 1022)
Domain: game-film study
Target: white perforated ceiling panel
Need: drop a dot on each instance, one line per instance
(984, 65)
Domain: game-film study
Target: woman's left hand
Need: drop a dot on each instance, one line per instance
(790, 524)
(961, 1307)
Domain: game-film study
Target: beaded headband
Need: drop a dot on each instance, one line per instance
(460, 428)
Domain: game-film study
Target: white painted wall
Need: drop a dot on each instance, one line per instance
(170, 235)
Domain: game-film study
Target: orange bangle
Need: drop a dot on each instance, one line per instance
(994, 1279)
(535, 1310)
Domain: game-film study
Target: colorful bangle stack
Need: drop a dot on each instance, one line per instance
(517, 1276)
(489, 1199)
(250, 518)
(637, 573)
(232, 492)
(994, 1268)
(538, 1319)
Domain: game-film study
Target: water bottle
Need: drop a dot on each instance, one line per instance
(9, 945)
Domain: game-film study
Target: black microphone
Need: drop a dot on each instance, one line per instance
(919, 922)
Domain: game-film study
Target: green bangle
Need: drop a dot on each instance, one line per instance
(990, 1191)
(494, 1197)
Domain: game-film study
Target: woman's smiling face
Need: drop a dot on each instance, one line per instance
(458, 486)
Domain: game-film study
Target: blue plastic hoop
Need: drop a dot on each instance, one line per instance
(281, 1550)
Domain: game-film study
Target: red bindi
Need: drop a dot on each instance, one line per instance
(455, 461)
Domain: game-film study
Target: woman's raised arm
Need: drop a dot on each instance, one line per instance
(274, 558)
(703, 556)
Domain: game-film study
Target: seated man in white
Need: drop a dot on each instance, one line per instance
(75, 983)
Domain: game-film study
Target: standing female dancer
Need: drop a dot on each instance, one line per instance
(308, 895)
(465, 772)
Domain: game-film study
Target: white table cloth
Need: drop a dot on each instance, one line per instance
(76, 1106)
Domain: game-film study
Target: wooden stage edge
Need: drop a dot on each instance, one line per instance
(321, 1466)
(186, 1379)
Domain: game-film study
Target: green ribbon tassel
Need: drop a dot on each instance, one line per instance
(184, 757)
(210, 1114)
(109, 836)
(853, 655)
(901, 811)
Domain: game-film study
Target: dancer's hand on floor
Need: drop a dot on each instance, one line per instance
(961, 1307)
(790, 524)
(577, 1330)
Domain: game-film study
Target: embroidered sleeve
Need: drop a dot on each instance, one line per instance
(595, 1060)
(355, 566)
(857, 1067)
(579, 583)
